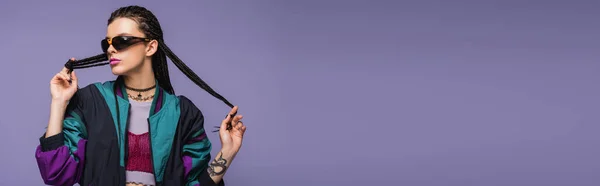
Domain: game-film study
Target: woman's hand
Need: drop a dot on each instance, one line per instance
(62, 91)
(231, 140)
(60, 88)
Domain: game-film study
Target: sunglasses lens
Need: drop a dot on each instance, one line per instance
(119, 43)
(104, 44)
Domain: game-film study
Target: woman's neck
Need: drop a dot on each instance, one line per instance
(141, 79)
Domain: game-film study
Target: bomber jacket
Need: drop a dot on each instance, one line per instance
(92, 147)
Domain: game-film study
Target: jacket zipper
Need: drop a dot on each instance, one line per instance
(151, 150)
(126, 137)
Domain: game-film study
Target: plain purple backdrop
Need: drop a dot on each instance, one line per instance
(419, 93)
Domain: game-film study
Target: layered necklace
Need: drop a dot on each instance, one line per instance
(139, 96)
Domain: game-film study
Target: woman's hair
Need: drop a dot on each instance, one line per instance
(149, 25)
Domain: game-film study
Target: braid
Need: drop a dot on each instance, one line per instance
(190, 74)
(161, 71)
(149, 25)
(97, 60)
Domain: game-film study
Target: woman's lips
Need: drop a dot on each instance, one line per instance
(114, 61)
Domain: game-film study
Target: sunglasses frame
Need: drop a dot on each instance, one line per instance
(109, 42)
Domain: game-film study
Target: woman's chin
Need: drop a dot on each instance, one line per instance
(118, 71)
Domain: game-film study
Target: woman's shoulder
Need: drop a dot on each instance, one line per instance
(94, 90)
(187, 105)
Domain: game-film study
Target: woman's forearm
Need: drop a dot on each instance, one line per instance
(219, 165)
(57, 113)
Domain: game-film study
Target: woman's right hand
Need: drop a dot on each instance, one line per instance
(60, 88)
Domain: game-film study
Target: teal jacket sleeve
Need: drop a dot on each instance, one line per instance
(60, 157)
(196, 149)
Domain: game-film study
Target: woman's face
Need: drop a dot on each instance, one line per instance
(128, 59)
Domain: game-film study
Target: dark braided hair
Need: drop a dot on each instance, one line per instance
(149, 25)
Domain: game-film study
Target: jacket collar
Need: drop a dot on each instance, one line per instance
(157, 101)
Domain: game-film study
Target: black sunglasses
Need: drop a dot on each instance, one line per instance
(121, 42)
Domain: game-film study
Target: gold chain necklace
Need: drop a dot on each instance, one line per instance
(140, 98)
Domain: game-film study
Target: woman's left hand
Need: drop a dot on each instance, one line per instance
(231, 140)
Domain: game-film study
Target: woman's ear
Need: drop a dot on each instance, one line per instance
(151, 48)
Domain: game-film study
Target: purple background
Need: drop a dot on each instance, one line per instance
(419, 93)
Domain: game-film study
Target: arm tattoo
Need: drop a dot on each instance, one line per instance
(220, 162)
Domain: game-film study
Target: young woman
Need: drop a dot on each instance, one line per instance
(133, 130)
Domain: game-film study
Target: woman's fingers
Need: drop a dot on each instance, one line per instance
(66, 76)
(61, 77)
(73, 78)
(236, 121)
(227, 122)
(243, 129)
(240, 129)
(65, 69)
(233, 111)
